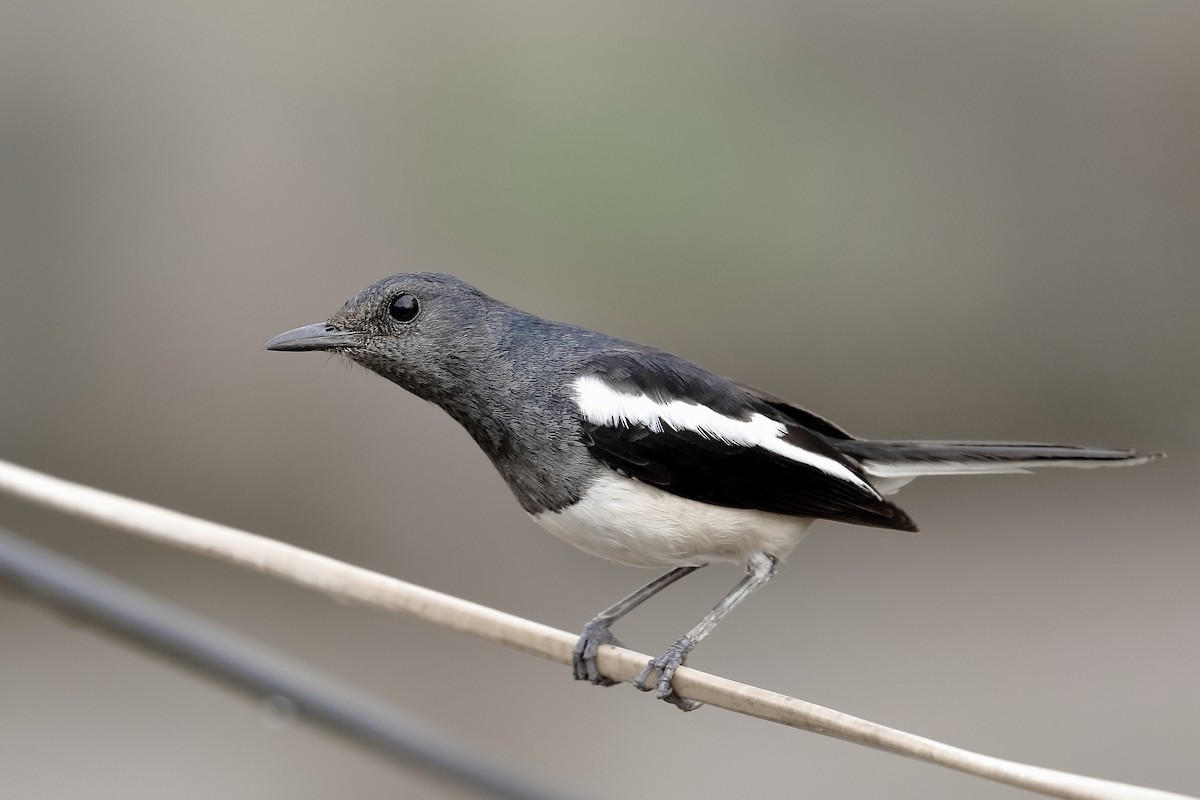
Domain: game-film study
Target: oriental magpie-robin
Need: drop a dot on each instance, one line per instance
(639, 456)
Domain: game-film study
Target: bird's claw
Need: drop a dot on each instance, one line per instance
(595, 633)
(664, 668)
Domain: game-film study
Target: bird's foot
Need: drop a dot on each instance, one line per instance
(595, 633)
(664, 667)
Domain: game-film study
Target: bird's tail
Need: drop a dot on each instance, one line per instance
(890, 465)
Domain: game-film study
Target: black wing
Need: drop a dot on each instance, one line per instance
(711, 470)
(794, 413)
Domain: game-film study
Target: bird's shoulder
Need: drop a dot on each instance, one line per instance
(637, 370)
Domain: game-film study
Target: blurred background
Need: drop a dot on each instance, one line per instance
(922, 219)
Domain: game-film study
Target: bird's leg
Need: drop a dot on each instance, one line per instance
(597, 631)
(759, 570)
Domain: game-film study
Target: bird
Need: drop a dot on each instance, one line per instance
(639, 456)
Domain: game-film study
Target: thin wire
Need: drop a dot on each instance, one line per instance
(146, 621)
(357, 584)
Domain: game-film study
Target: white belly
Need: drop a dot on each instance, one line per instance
(634, 523)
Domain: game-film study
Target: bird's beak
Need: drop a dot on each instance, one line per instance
(315, 337)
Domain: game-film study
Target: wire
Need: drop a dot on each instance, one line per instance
(143, 620)
(361, 585)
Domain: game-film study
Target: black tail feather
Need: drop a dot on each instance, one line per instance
(976, 456)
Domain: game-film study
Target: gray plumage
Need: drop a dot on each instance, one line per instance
(637, 455)
(488, 366)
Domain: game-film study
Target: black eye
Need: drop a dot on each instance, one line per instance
(404, 308)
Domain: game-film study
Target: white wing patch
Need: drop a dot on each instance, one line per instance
(601, 404)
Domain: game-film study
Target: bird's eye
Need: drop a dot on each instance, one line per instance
(404, 308)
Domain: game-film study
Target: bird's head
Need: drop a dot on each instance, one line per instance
(426, 332)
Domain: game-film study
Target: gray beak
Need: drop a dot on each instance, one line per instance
(315, 337)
